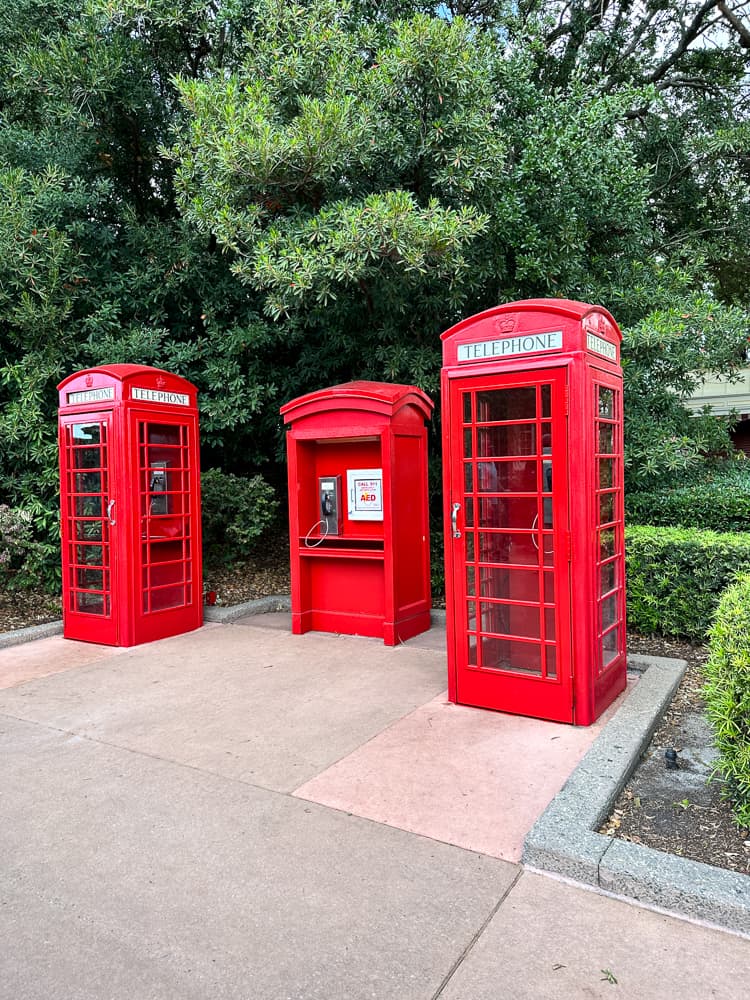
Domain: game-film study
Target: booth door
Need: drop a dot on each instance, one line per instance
(166, 503)
(89, 519)
(509, 591)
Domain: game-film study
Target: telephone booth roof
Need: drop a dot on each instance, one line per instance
(533, 327)
(383, 398)
(123, 377)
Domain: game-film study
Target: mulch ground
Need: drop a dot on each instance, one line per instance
(676, 811)
(680, 811)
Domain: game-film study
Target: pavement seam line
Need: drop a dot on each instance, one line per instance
(465, 953)
(152, 756)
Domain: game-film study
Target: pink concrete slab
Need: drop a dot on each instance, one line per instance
(466, 776)
(48, 656)
(554, 941)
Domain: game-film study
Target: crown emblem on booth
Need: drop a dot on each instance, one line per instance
(160, 382)
(89, 380)
(505, 325)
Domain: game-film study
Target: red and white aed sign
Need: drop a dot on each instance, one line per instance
(365, 494)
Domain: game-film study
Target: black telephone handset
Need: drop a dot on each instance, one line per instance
(326, 505)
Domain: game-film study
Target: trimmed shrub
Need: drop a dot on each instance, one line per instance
(236, 512)
(675, 577)
(727, 693)
(716, 506)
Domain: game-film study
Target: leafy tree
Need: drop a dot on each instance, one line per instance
(266, 197)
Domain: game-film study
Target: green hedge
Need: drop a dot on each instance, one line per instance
(236, 512)
(715, 506)
(675, 577)
(728, 695)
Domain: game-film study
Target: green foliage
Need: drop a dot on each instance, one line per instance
(236, 511)
(665, 357)
(720, 504)
(675, 577)
(727, 694)
(267, 197)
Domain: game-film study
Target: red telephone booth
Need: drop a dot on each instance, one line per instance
(533, 468)
(358, 510)
(130, 505)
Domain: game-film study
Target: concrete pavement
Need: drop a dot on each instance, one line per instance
(179, 820)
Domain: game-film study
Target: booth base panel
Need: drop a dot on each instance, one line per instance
(342, 623)
(159, 628)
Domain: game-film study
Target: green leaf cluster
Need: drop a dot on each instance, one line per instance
(236, 511)
(727, 694)
(721, 504)
(676, 576)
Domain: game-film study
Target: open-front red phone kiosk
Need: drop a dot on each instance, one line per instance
(130, 505)
(533, 476)
(358, 510)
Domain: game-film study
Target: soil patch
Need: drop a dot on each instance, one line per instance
(680, 811)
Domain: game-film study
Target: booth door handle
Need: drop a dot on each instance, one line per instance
(110, 509)
(454, 520)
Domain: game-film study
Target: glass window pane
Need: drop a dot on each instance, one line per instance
(467, 443)
(516, 657)
(607, 541)
(87, 458)
(606, 473)
(87, 433)
(470, 546)
(550, 654)
(467, 407)
(163, 434)
(90, 579)
(93, 604)
(609, 611)
(549, 588)
(471, 581)
(606, 402)
(507, 477)
(509, 439)
(546, 400)
(507, 404)
(471, 651)
(89, 506)
(88, 531)
(517, 549)
(469, 512)
(88, 482)
(89, 555)
(549, 624)
(468, 481)
(606, 508)
(606, 439)
(509, 584)
(167, 597)
(510, 619)
(608, 577)
(610, 646)
(508, 512)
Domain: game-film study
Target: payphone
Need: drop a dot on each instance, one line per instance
(358, 510)
(158, 489)
(330, 506)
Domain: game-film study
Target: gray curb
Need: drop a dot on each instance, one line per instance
(261, 606)
(29, 634)
(564, 839)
